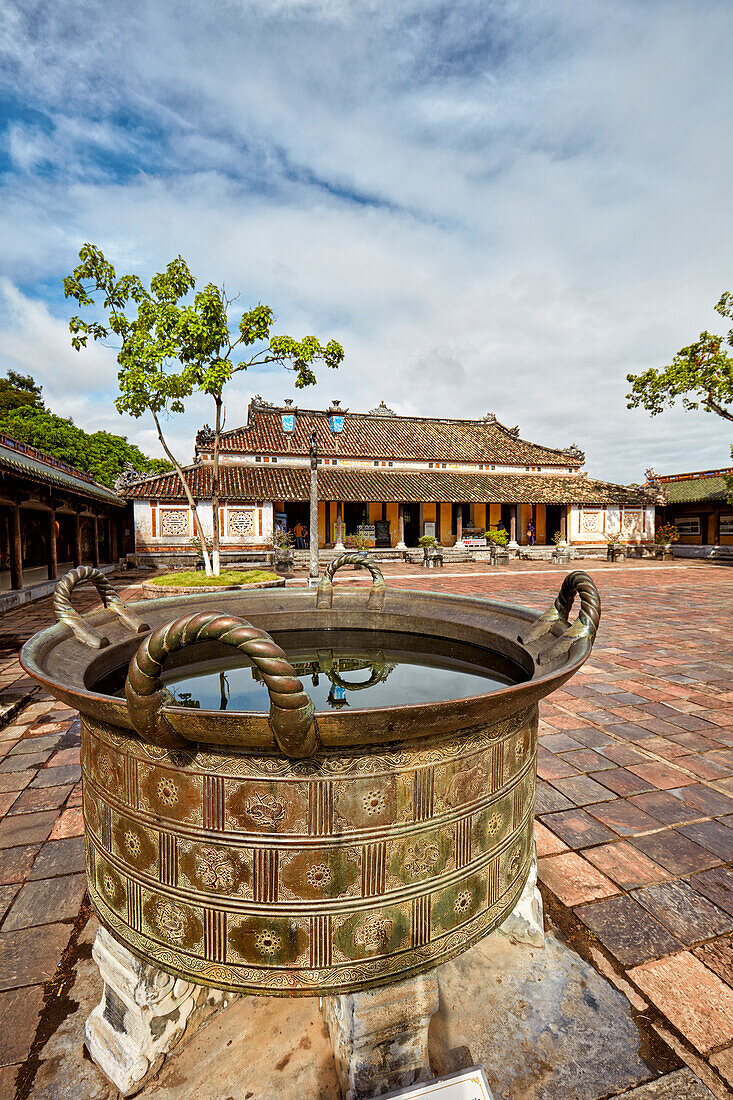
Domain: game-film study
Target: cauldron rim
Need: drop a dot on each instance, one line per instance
(399, 723)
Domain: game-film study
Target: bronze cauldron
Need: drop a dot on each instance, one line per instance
(304, 852)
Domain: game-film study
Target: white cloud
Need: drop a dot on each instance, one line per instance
(494, 205)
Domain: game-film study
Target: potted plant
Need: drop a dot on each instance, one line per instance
(361, 545)
(665, 535)
(429, 545)
(615, 549)
(499, 538)
(284, 543)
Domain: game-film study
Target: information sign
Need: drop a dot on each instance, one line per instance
(381, 533)
(726, 525)
(474, 543)
(468, 1084)
(429, 526)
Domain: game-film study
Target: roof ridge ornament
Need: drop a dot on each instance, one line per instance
(490, 418)
(127, 476)
(205, 436)
(574, 452)
(382, 410)
(258, 402)
(334, 409)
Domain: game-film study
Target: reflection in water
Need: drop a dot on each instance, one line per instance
(344, 673)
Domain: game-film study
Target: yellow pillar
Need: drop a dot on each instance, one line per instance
(494, 513)
(393, 512)
(541, 525)
(375, 512)
(446, 525)
(479, 516)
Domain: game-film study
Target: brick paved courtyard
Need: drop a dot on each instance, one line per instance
(634, 806)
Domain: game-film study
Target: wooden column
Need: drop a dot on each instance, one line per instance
(513, 523)
(563, 524)
(77, 539)
(53, 563)
(95, 543)
(459, 523)
(16, 549)
(437, 520)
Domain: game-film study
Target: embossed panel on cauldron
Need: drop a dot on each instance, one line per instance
(262, 874)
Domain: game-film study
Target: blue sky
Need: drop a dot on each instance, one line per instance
(493, 206)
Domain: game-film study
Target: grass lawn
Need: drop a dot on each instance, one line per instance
(189, 579)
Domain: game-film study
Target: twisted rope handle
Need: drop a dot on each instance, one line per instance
(575, 584)
(325, 588)
(580, 584)
(66, 614)
(291, 711)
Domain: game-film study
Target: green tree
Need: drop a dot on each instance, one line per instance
(101, 454)
(174, 343)
(701, 375)
(19, 390)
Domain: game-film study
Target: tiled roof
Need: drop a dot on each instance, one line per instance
(29, 462)
(696, 489)
(283, 483)
(409, 438)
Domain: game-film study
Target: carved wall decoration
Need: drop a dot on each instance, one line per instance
(591, 521)
(174, 522)
(241, 522)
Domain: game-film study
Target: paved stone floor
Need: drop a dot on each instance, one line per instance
(634, 807)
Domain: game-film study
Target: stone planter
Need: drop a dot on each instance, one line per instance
(616, 553)
(284, 560)
(152, 591)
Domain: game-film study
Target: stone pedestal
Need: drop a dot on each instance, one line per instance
(526, 922)
(143, 1016)
(380, 1038)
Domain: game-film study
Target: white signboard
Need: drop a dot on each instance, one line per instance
(469, 1084)
(475, 544)
(726, 525)
(688, 526)
(429, 526)
(366, 531)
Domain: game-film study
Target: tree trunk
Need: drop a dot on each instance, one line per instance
(189, 496)
(215, 564)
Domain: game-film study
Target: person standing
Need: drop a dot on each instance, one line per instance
(300, 532)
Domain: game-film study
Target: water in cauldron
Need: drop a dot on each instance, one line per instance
(342, 668)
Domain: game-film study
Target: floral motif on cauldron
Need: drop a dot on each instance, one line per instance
(132, 843)
(319, 875)
(463, 902)
(374, 802)
(421, 858)
(494, 824)
(215, 869)
(267, 942)
(110, 887)
(170, 920)
(167, 791)
(258, 940)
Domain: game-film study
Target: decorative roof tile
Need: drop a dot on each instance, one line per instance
(250, 483)
(382, 434)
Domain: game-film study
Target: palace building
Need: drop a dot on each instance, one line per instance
(391, 478)
(389, 475)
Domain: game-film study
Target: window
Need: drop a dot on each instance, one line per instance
(258, 458)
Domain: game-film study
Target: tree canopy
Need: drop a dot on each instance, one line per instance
(18, 391)
(701, 375)
(175, 341)
(101, 454)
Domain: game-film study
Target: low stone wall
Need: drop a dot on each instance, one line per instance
(721, 554)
